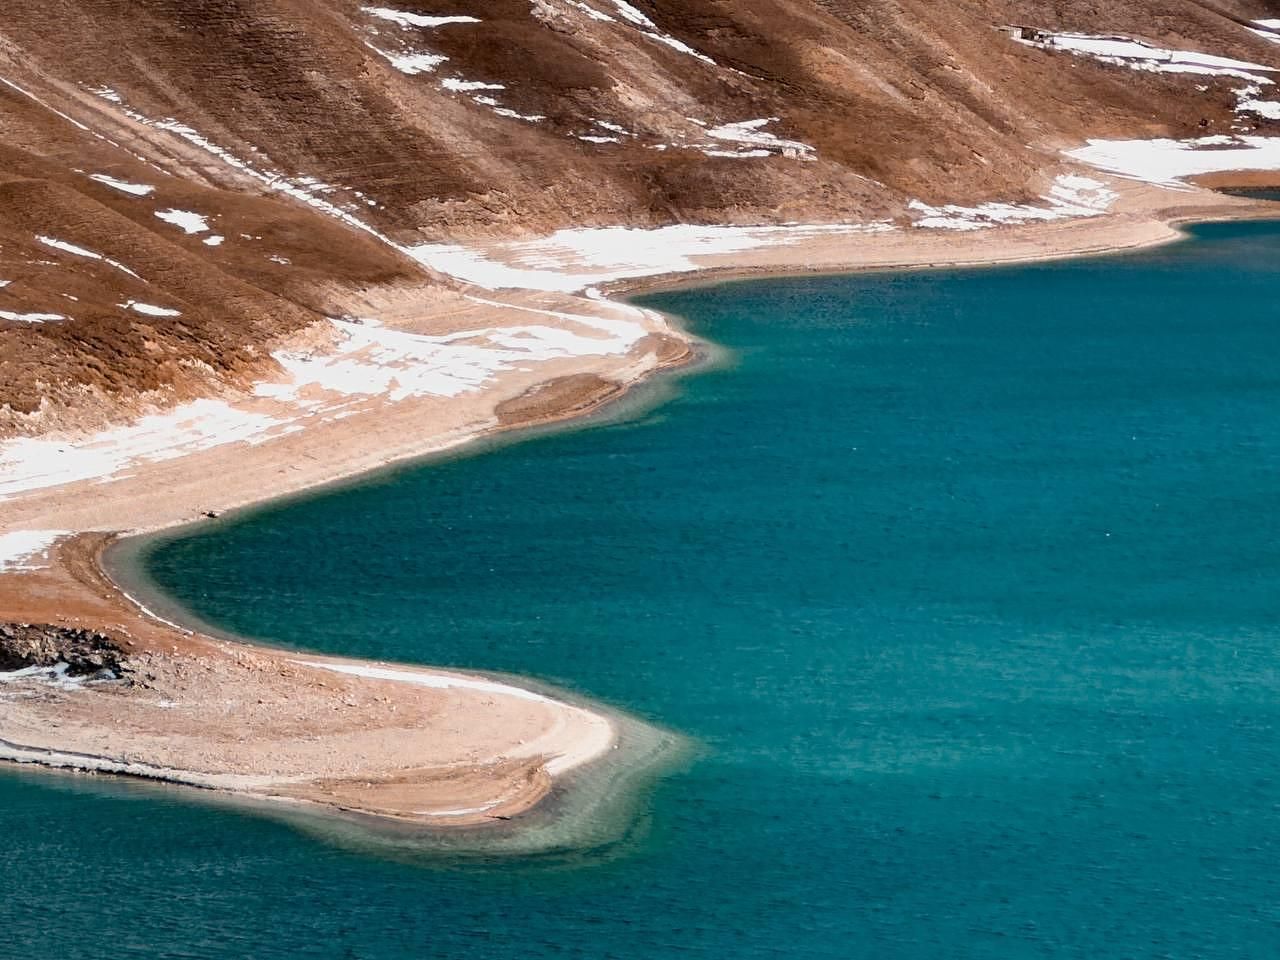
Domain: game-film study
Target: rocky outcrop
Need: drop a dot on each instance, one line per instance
(85, 652)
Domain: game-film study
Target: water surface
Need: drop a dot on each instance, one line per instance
(966, 582)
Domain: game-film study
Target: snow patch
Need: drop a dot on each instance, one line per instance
(82, 252)
(379, 361)
(149, 310)
(189, 222)
(1169, 162)
(1070, 196)
(516, 115)
(1248, 102)
(1136, 55)
(458, 84)
(571, 260)
(405, 19)
(30, 317)
(411, 64)
(367, 361)
(133, 189)
(214, 241)
(30, 463)
(753, 134)
(648, 27)
(27, 549)
(1270, 30)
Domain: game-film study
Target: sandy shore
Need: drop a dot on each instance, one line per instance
(407, 743)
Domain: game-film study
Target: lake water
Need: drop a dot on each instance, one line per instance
(965, 584)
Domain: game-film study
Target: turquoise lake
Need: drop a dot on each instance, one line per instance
(965, 584)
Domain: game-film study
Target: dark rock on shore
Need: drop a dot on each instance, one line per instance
(85, 652)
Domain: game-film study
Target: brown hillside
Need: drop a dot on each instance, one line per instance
(211, 102)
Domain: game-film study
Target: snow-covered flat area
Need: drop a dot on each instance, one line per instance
(27, 549)
(578, 259)
(571, 260)
(367, 361)
(1169, 162)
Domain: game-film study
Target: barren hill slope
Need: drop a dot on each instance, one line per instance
(183, 182)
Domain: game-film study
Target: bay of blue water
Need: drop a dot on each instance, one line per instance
(967, 584)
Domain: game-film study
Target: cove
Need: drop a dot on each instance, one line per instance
(966, 584)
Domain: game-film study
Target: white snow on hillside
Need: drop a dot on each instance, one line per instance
(457, 84)
(1270, 30)
(186, 220)
(149, 310)
(1070, 196)
(761, 142)
(82, 252)
(639, 19)
(368, 361)
(406, 19)
(410, 64)
(1169, 162)
(133, 189)
(1137, 55)
(30, 317)
(304, 189)
(1249, 101)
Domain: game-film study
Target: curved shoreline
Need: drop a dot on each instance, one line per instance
(502, 784)
(567, 397)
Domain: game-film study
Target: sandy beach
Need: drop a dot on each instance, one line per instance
(406, 743)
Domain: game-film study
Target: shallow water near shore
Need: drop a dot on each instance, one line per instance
(966, 582)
